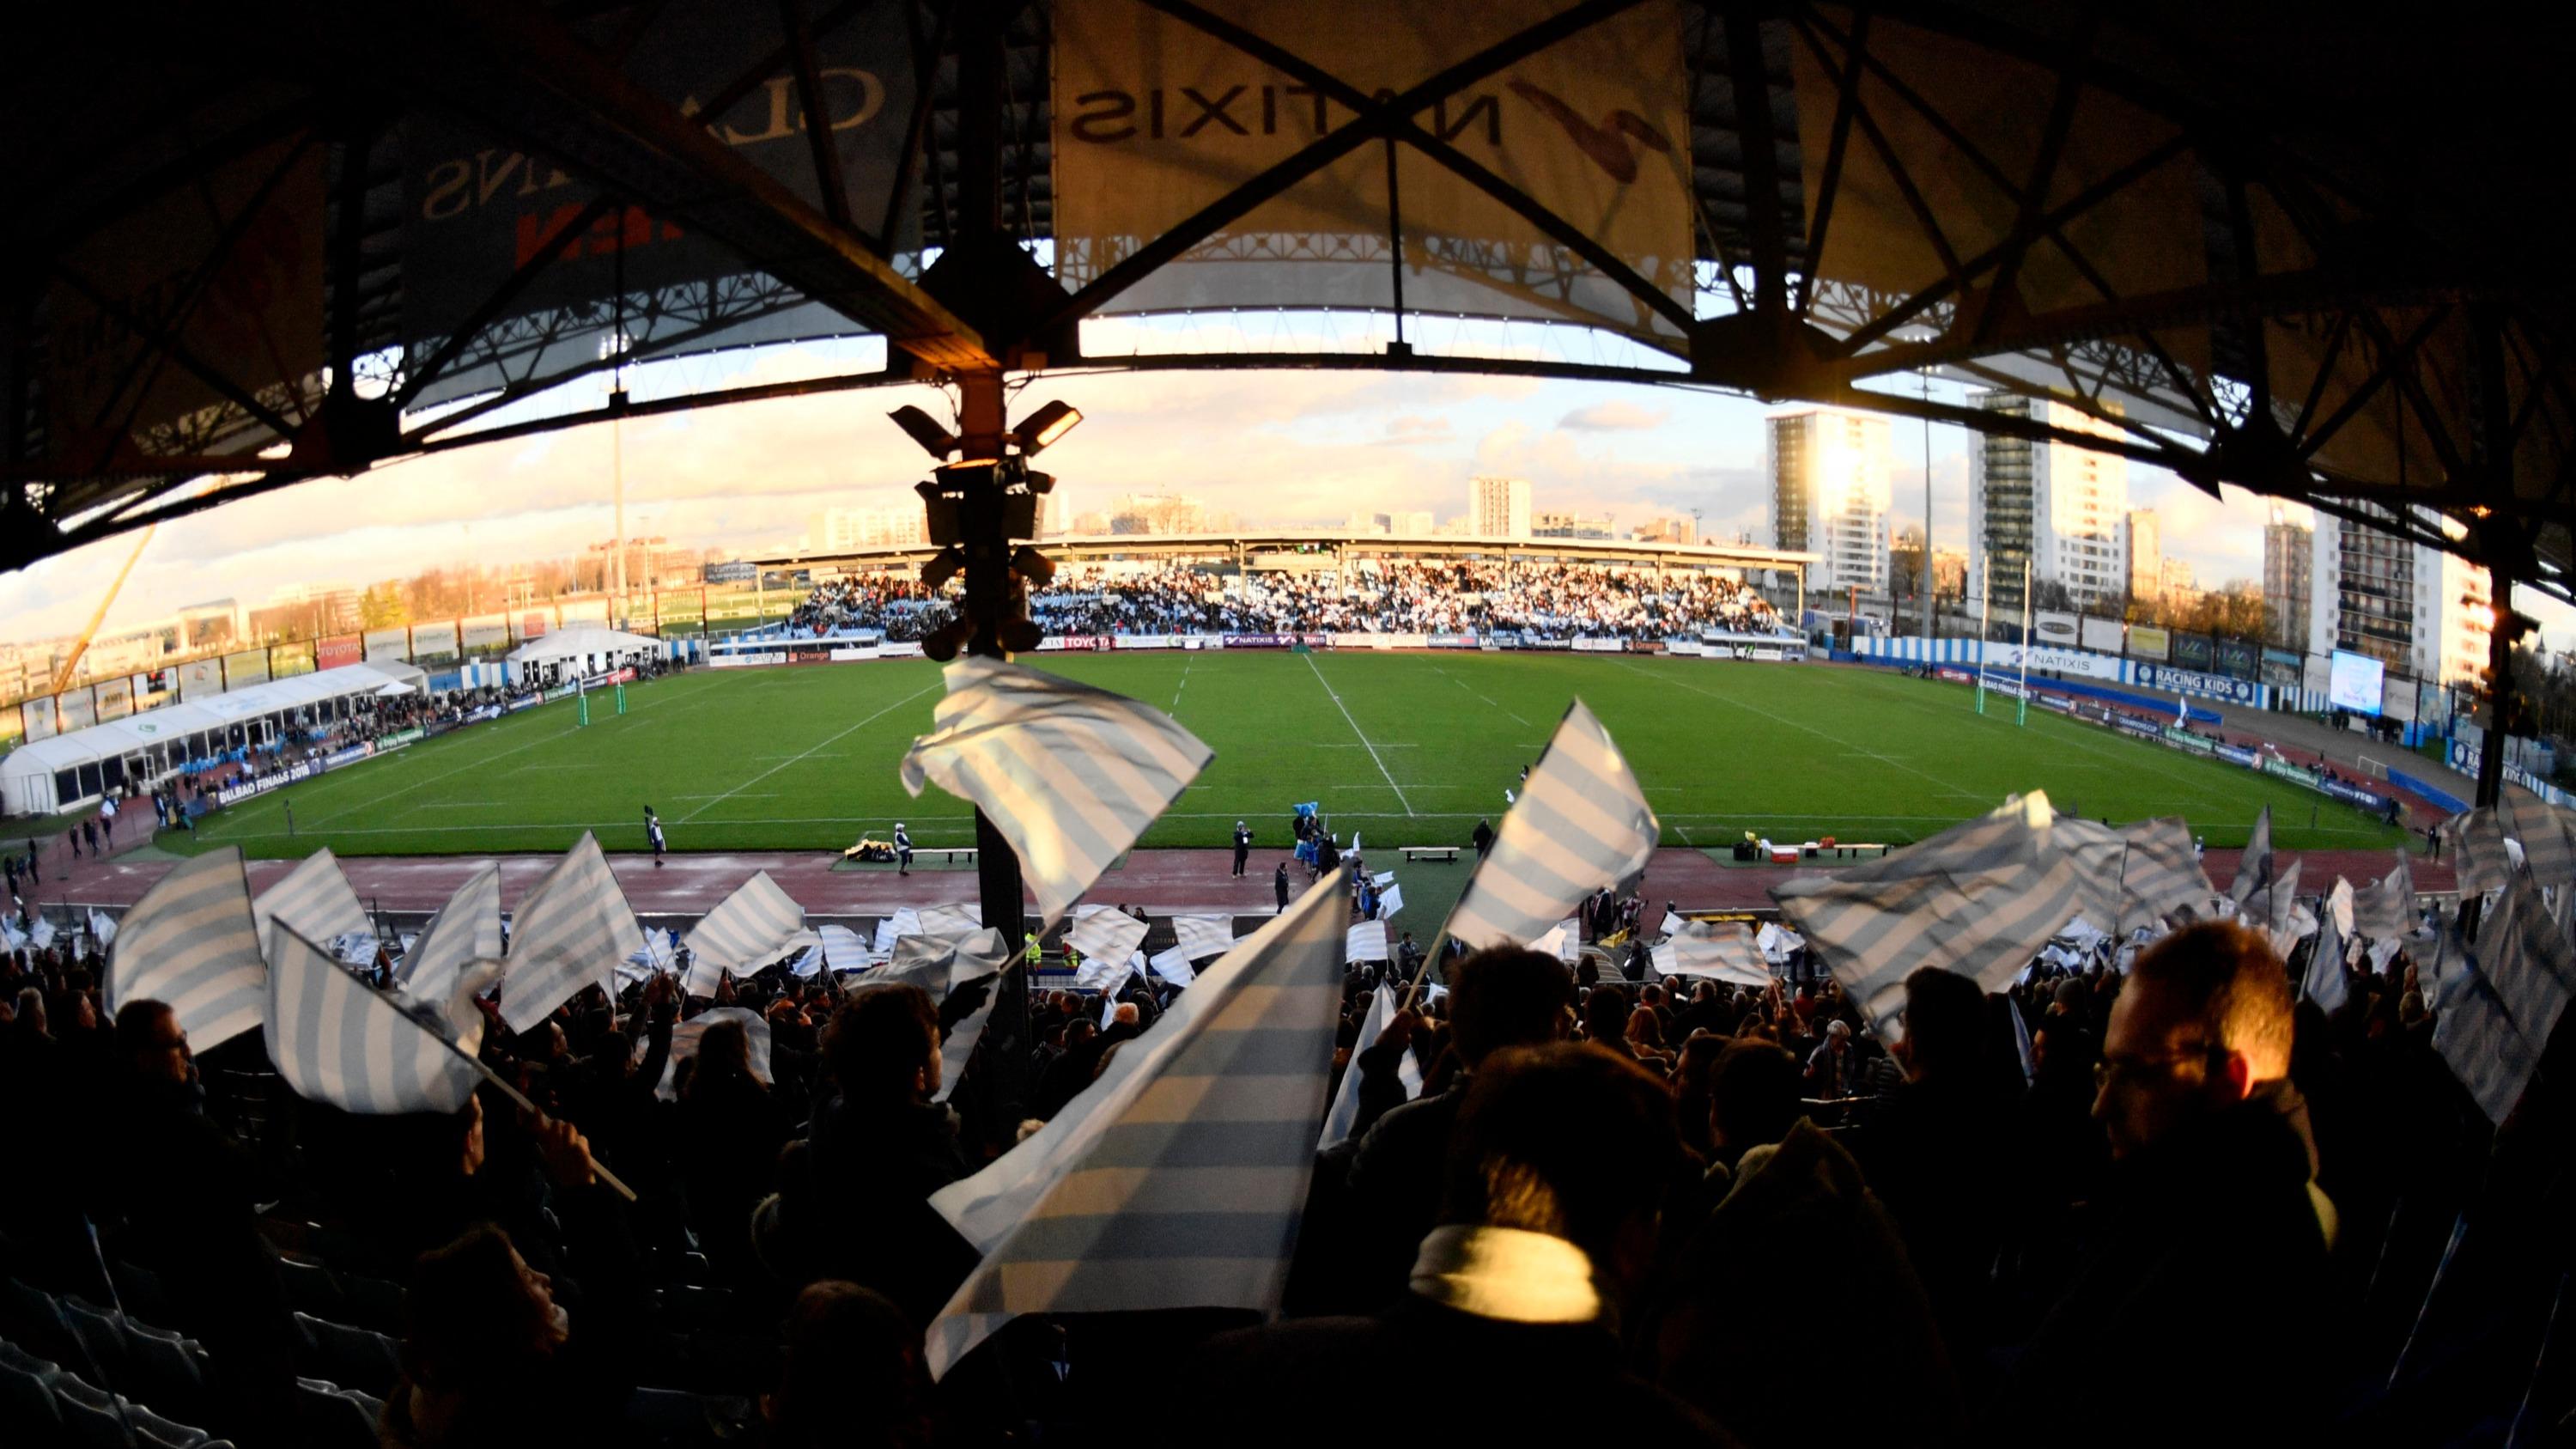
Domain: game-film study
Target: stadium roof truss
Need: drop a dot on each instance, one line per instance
(2257, 245)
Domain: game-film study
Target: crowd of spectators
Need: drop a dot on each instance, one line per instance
(1546, 600)
(1709, 1214)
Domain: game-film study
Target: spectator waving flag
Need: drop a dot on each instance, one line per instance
(1981, 898)
(1105, 935)
(759, 922)
(315, 899)
(570, 932)
(2254, 867)
(2385, 909)
(1721, 950)
(941, 964)
(2547, 834)
(337, 1040)
(2324, 983)
(2478, 852)
(467, 928)
(1200, 937)
(1581, 823)
(2496, 1012)
(191, 943)
(1069, 774)
(1177, 1179)
(1345, 1112)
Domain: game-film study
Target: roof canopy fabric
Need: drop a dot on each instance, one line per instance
(583, 641)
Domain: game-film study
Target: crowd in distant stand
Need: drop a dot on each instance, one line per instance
(1548, 600)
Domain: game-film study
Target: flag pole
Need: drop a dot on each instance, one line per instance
(2021, 713)
(1985, 630)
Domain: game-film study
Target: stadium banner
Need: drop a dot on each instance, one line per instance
(1076, 643)
(1145, 641)
(2102, 634)
(2063, 661)
(2174, 680)
(349, 756)
(1956, 676)
(853, 653)
(1259, 641)
(2055, 628)
(2239, 755)
(115, 698)
(1645, 646)
(481, 712)
(40, 717)
(388, 646)
(794, 656)
(399, 738)
(2276, 766)
(248, 666)
(79, 708)
(486, 634)
(2183, 739)
(909, 649)
(300, 770)
(535, 624)
(199, 678)
(153, 688)
(1202, 641)
(1156, 119)
(1450, 641)
(2237, 657)
(2057, 702)
(338, 650)
(2354, 795)
(1687, 648)
(2195, 651)
(433, 643)
(2149, 643)
(475, 211)
(583, 611)
(285, 661)
(2136, 726)
(1588, 645)
(526, 701)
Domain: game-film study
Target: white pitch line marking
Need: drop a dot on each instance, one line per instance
(792, 759)
(1364, 739)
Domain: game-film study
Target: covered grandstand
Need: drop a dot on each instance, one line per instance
(78, 768)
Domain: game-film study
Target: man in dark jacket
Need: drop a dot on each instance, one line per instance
(1506, 1333)
(2214, 1223)
(1499, 998)
(880, 1149)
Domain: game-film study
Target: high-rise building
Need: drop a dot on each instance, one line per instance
(1830, 491)
(2060, 508)
(2289, 553)
(2421, 611)
(1498, 507)
(2146, 556)
(1666, 530)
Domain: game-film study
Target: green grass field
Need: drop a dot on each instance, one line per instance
(1408, 749)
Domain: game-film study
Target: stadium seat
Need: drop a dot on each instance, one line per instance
(90, 1416)
(676, 1419)
(32, 1319)
(27, 1411)
(140, 1294)
(325, 1419)
(370, 1303)
(349, 1357)
(151, 1430)
(102, 1339)
(166, 1371)
(311, 1288)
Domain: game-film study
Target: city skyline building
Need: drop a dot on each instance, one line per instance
(1498, 507)
(1832, 485)
(2060, 508)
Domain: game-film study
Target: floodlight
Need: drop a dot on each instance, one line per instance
(1040, 429)
(935, 440)
(942, 566)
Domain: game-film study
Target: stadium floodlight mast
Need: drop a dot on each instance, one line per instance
(977, 511)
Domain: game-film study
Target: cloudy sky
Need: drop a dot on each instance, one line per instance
(1273, 447)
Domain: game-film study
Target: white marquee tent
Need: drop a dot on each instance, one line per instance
(75, 768)
(582, 649)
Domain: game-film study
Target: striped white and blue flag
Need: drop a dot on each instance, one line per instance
(688, 1034)
(2386, 909)
(570, 932)
(2494, 1014)
(2160, 875)
(2479, 858)
(1719, 950)
(1581, 823)
(339, 1041)
(315, 899)
(1177, 1179)
(756, 924)
(1981, 898)
(1105, 935)
(1345, 1111)
(1069, 774)
(192, 944)
(467, 928)
(2547, 834)
(941, 964)
(1199, 937)
(2254, 867)
(963, 918)
(2324, 983)
(1172, 963)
